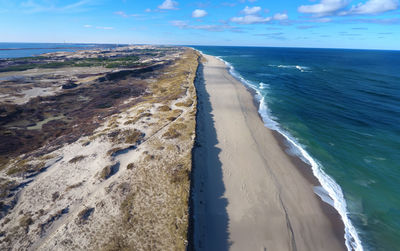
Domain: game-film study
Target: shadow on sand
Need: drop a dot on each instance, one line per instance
(208, 226)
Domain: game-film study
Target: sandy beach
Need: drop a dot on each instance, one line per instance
(249, 194)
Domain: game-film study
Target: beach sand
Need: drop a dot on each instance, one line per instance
(248, 193)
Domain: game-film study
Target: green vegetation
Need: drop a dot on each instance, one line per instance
(32, 63)
(22, 167)
(5, 187)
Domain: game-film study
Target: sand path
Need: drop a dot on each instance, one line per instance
(248, 193)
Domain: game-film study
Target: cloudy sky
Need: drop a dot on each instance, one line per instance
(363, 24)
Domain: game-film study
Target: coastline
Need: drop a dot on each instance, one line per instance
(250, 165)
(306, 170)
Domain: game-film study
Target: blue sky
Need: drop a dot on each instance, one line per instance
(364, 24)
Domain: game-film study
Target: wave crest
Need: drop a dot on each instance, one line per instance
(329, 191)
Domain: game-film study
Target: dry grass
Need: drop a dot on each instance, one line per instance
(84, 215)
(55, 196)
(113, 151)
(171, 134)
(74, 186)
(149, 201)
(154, 214)
(48, 156)
(23, 166)
(105, 173)
(174, 114)
(164, 108)
(187, 103)
(130, 166)
(5, 187)
(77, 159)
(3, 162)
(133, 136)
(137, 118)
(175, 131)
(25, 222)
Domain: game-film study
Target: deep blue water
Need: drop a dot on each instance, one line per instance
(34, 49)
(342, 109)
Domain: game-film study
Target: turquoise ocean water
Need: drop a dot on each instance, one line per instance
(340, 112)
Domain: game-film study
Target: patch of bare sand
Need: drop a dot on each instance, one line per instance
(250, 195)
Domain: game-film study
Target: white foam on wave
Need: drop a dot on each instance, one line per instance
(298, 67)
(263, 86)
(329, 191)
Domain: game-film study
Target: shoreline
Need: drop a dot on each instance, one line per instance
(306, 170)
(283, 211)
(332, 201)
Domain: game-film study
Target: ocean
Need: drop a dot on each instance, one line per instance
(16, 50)
(340, 112)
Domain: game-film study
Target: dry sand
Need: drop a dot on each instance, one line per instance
(248, 193)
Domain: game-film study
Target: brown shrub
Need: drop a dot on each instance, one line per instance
(74, 186)
(171, 134)
(105, 173)
(84, 215)
(55, 196)
(77, 159)
(113, 150)
(164, 108)
(187, 103)
(133, 136)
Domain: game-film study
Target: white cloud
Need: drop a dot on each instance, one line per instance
(179, 23)
(340, 7)
(168, 5)
(104, 28)
(251, 11)
(250, 19)
(33, 6)
(210, 27)
(321, 20)
(254, 18)
(372, 7)
(199, 13)
(121, 13)
(88, 26)
(280, 16)
(147, 10)
(216, 28)
(324, 8)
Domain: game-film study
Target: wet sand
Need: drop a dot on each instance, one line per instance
(248, 193)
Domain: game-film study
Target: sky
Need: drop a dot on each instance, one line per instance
(360, 24)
